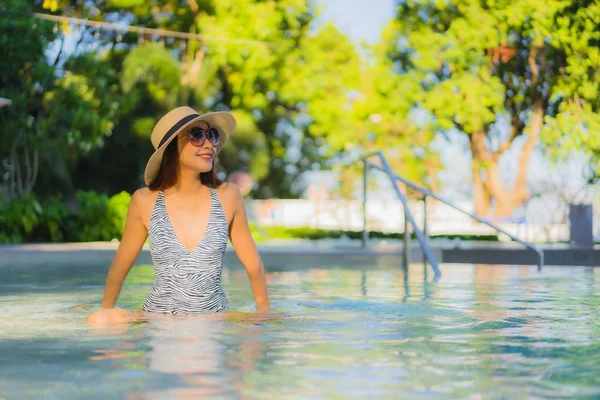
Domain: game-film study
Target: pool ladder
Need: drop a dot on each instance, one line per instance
(422, 237)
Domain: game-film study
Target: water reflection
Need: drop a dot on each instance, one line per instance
(189, 348)
(210, 356)
(377, 331)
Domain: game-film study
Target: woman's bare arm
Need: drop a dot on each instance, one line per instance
(245, 248)
(134, 236)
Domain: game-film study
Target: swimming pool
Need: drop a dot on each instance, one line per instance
(348, 331)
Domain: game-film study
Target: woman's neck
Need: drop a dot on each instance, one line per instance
(188, 183)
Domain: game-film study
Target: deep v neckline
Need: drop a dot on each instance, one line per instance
(180, 243)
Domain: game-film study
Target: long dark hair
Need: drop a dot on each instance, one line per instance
(169, 168)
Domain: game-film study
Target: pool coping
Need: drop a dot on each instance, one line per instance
(445, 251)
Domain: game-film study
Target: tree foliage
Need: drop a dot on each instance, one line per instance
(52, 119)
(303, 96)
(501, 70)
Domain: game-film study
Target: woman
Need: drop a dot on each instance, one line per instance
(188, 215)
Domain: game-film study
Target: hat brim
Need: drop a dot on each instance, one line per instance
(222, 120)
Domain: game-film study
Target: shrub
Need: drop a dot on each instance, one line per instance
(54, 221)
(117, 208)
(98, 217)
(282, 232)
(258, 234)
(19, 218)
(92, 221)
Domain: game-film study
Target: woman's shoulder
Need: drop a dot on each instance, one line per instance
(144, 197)
(144, 193)
(231, 198)
(142, 203)
(229, 190)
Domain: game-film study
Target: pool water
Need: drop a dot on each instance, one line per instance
(343, 331)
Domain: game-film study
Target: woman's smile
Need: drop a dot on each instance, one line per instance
(208, 156)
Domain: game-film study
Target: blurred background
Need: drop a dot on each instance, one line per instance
(492, 104)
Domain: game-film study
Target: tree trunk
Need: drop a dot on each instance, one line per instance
(480, 194)
(191, 58)
(22, 170)
(479, 157)
(504, 207)
(490, 187)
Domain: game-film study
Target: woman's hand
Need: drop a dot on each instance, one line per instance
(111, 316)
(256, 317)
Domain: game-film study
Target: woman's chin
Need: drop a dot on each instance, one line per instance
(200, 166)
(201, 171)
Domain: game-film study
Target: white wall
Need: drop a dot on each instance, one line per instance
(387, 216)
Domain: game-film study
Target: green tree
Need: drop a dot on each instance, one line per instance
(78, 115)
(118, 162)
(357, 106)
(25, 76)
(57, 115)
(481, 66)
(303, 97)
(239, 64)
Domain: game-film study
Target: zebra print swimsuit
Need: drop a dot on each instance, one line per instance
(187, 282)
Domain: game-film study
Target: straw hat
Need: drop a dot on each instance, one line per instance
(175, 122)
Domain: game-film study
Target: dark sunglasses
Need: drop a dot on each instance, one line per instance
(198, 136)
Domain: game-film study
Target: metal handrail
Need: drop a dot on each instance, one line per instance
(407, 215)
(426, 192)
